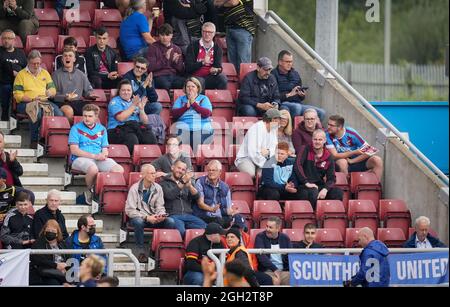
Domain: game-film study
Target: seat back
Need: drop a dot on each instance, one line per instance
(112, 191)
(365, 185)
(330, 238)
(331, 214)
(133, 177)
(222, 102)
(362, 213)
(145, 154)
(392, 237)
(245, 69)
(124, 67)
(263, 209)
(298, 213)
(342, 183)
(241, 124)
(295, 235)
(253, 233)
(351, 237)
(168, 248)
(395, 214)
(191, 234)
(55, 130)
(244, 211)
(242, 186)
(121, 154)
(206, 153)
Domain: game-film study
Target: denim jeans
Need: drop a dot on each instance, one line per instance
(239, 45)
(297, 109)
(168, 82)
(211, 82)
(248, 110)
(5, 97)
(195, 138)
(153, 108)
(139, 225)
(193, 278)
(34, 127)
(187, 221)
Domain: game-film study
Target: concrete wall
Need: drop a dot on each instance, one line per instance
(405, 176)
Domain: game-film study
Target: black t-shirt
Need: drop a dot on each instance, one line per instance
(9, 62)
(302, 244)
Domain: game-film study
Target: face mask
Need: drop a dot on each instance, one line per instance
(91, 231)
(50, 236)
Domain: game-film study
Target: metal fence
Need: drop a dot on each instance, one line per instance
(423, 82)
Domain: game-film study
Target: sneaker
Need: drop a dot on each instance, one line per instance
(88, 197)
(142, 258)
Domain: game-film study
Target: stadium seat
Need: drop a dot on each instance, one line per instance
(351, 237)
(253, 234)
(362, 213)
(330, 238)
(191, 234)
(222, 135)
(232, 152)
(365, 185)
(46, 46)
(180, 271)
(241, 126)
(80, 41)
(342, 183)
(167, 247)
(111, 190)
(111, 42)
(143, 154)
(124, 67)
(229, 70)
(49, 23)
(78, 23)
(110, 19)
(395, 214)
(206, 153)
(55, 132)
(392, 237)
(222, 102)
(244, 211)
(242, 187)
(298, 213)
(331, 214)
(102, 103)
(297, 121)
(263, 209)
(164, 99)
(133, 177)
(177, 93)
(89, 6)
(295, 235)
(245, 69)
(121, 154)
(18, 42)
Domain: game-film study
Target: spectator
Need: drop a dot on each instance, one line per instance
(278, 180)
(421, 238)
(197, 249)
(240, 27)
(18, 15)
(374, 254)
(214, 203)
(166, 60)
(163, 164)
(193, 115)
(12, 60)
(274, 265)
(16, 229)
(309, 233)
(315, 171)
(234, 272)
(259, 90)
(345, 144)
(71, 43)
(84, 237)
(142, 85)
(32, 88)
(50, 212)
(48, 269)
(90, 269)
(88, 143)
(179, 193)
(127, 121)
(285, 130)
(156, 19)
(292, 92)
(145, 207)
(72, 85)
(101, 62)
(259, 144)
(108, 281)
(239, 253)
(302, 135)
(204, 60)
(135, 31)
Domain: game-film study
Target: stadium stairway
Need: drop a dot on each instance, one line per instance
(43, 174)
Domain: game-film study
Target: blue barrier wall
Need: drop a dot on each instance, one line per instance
(427, 124)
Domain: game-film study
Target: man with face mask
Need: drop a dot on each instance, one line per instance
(259, 144)
(84, 237)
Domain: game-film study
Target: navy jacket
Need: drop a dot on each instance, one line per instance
(264, 261)
(150, 92)
(286, 82)
(251, 90)
(271, 174)
(411, 243)
(376, 250)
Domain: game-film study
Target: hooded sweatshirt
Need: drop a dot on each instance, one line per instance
(375, 250)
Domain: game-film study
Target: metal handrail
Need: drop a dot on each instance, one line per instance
(363, 101)
(346, 251)
(109, 252)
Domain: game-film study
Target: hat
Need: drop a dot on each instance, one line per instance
(265, 63)
(272, 113)
(3, 174)
(234, 230)
(214, 228)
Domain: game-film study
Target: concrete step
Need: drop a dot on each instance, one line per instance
(24, 155)
(35, 169)
(67, 198)
(145, 281)
(128, 267)
(71, 225)
(13, 141)
(75, 209)
(9, 125)
(42, 183)
(109, 238)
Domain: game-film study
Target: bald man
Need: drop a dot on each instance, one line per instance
(374, 268)
(145, 207)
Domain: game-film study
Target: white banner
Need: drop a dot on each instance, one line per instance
(14, 268)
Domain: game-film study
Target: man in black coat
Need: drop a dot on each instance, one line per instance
(50, 211)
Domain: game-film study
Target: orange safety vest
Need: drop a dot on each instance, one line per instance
(232, 256)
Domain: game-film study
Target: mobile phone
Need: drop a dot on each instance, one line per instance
(304, 88)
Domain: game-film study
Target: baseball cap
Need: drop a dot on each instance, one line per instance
(272, 113)
(3, 174)
(265, 63)
(214, 228)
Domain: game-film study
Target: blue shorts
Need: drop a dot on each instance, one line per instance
(358, 167)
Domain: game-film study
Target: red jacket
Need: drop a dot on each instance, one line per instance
(302, 137)
(158, 63)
